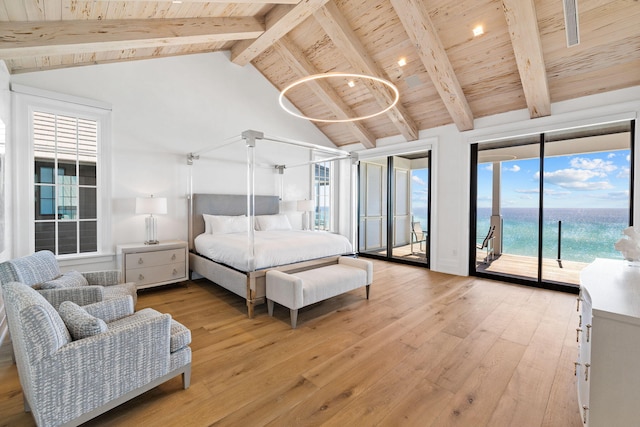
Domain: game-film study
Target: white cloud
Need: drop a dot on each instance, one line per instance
(618, 195)
(417, 180)
(628, 157)
(489, 167)
(514, 168)
(624, 172)
(577, 179)
(592, 164)
(611, 155)
(547, 192)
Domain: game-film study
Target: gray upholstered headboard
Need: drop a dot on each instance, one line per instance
(225, 204)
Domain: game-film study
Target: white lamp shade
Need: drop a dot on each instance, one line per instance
(151, 205)
(306, 205)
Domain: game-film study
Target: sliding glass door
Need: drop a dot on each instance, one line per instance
(394, 207)
(507, 207)
(544, 206)
(586, 198)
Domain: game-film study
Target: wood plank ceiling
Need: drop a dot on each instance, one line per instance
(521, 61)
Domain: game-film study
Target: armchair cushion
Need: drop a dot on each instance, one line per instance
(70, 279)
(80, 323)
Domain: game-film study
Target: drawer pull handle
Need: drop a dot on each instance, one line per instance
(586, 371)
(174, 272)
(575, 368)
(578, 330)
(578, 307)
(140, 277)
(588, 332)
(140, 261)
(585, 408)
(173, 257)
(580, 320)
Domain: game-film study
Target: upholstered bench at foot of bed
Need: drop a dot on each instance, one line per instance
(297, 290)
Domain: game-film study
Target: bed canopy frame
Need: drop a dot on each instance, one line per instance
(251, 281)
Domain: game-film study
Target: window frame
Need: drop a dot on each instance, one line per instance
(319, 161)
(26, 101)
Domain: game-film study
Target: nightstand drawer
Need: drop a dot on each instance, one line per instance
(149, 259)
(156, 274)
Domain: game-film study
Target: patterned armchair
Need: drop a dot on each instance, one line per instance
(79, 362)
(41, 271)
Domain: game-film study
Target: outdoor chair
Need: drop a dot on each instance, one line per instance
(418, 236)
(79, 362)
(487, 245)
(41, 271)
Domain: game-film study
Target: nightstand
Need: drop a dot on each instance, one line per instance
(153, 265)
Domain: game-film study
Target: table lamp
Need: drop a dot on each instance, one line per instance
(306, 206)
(151, 205)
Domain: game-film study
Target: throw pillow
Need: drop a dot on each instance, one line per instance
(272, 222)
(70, 279)
(220, 224)
(80, 323)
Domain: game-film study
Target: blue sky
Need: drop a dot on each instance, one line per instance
(419, 193)
(586, 180)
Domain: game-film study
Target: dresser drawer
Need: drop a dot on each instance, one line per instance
(149, 259)
(156, 274)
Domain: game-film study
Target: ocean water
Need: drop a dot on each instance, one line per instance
(586, 233)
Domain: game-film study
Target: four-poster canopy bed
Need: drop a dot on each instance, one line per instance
(234, 239)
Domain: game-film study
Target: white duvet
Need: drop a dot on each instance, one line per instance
(271, 248)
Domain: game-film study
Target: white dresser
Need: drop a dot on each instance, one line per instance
(153, 265)
(608, 365)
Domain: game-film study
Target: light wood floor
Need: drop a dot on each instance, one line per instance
(428, 349)
(415, 253)
(526, 266)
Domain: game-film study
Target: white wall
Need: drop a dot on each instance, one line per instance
(166, 108)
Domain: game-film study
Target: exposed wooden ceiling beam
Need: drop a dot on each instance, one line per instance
(298, 62)
(525, 38)
(424, 36)
(43, 64)
(279, 21)
(218, 1)
(346, 40)
(20, 39)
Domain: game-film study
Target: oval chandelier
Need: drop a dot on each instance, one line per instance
(334, 75)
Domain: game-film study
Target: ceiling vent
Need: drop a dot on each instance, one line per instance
(413, 81)
(571, 22)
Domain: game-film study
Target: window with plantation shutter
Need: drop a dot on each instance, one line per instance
(65, 151)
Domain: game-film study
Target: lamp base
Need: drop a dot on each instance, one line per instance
(151, 227)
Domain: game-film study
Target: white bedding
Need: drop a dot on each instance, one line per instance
(272, 248)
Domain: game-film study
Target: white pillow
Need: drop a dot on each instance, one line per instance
(220, 224)
(295, 219)
(272, 222)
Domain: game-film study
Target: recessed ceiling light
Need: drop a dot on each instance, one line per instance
(478, 31)
(402, 62)
(351, 83)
